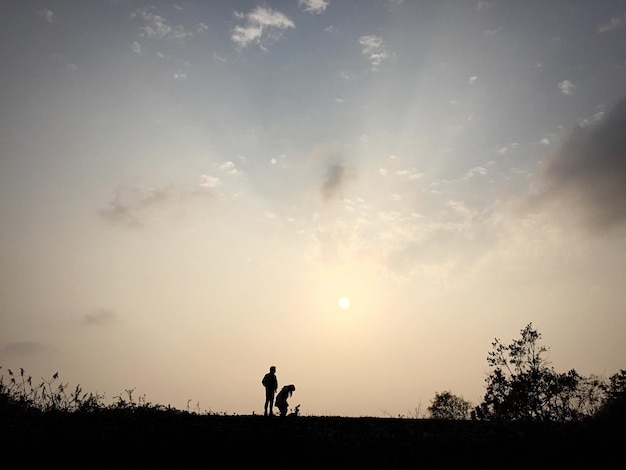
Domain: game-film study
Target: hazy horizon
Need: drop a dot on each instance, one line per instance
(188, 189)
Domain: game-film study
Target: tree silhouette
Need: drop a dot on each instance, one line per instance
(522, 386)
(614, 404)
(447, 405)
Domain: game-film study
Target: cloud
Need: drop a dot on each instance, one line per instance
(135, 207)
(393, 3)
(508, 148)
(492, 32)
(476, 171)
(411, 174)
(46, 15)
(567, 87)
(587, 176)
(314, 6)
(336, 178)
(375, 49)
(593, 119)
(100, 317)
(229, 168)
(208, 181)
(613, 25)
(480, 5)
(262, 25)
(25, 348)
(157, 27)
(130, 205)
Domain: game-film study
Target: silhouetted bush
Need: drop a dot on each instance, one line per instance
(446, 405)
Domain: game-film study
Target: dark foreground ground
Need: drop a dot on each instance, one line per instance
(170, 439)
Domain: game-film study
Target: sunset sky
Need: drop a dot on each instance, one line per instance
(188, 188)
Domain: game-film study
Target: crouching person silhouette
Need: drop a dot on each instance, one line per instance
(281, 398)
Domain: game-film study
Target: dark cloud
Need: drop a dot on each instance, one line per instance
(336, 177)
(130, 205)
(100, 317)
(133, 207)
(22, 348)
(587, 177)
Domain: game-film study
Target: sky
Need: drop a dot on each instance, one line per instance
(188, 189)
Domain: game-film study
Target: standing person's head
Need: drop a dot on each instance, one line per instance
(273, 369)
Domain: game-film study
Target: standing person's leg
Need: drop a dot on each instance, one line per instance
(269, 402)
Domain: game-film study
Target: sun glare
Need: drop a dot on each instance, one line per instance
(344, 302)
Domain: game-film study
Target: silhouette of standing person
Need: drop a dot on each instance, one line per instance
(281, 398)
(270, 382)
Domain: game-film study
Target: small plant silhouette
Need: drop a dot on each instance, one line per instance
(20, 392)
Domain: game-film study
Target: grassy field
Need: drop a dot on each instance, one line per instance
(144, 437)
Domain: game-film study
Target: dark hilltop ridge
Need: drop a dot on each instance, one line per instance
(141, 436)
(532, 416)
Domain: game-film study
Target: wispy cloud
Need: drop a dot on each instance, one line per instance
(46, 15)
(492, 32)
(261, 26)
(481, 5)
(596, 117)
(314, 6)
(476, 171)
(393, 3)
(507, 148)
(567, 87)
(375, 49)
(130, 205)
(25, 348)
(230, 168)
(136, 207)
(100, 316)
(614, 24)
(411, 174)
(208, 181)
(157, 27)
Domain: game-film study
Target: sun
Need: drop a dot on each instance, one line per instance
(344, 302)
